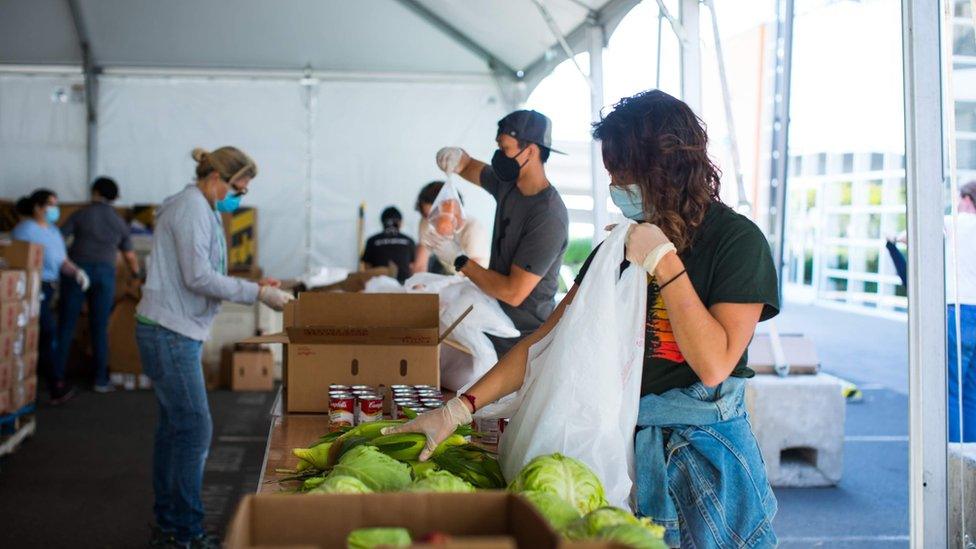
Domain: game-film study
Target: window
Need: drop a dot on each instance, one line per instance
(966, 116)
(848, 161)
(839, 225)
(875, 193)
(838, 258)
(877, 162)
(963, 40)
(965, 154)
(845, 193)
(874, 227)
(963, 8)
(821, 163)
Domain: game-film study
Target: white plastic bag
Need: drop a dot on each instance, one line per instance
(582, 383)
(446, 215)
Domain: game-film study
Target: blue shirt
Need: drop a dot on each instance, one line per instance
(50, 237)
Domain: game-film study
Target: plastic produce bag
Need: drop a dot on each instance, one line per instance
(446, 214)
(582, 382)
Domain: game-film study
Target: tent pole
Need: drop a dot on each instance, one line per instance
(691, 92)
(595, 43)
(310, 85)
(90, 72)
(928, 512)
(779, 155)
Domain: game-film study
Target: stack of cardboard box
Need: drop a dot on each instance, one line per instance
(20, 306)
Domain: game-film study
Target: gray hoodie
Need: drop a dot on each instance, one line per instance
(187, 269)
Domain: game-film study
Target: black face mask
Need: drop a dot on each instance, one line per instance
(505, 168)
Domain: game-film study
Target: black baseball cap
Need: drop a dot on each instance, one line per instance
(531, 126)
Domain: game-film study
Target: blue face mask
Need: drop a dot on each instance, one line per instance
(230, 203)
(630, 201)
(52, 214)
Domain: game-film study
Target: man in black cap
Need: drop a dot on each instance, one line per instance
(531, 223)
(391, 246)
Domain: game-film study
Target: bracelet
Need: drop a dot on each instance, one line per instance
(662, 286)
(470, 400)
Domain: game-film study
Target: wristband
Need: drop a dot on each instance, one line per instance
(653, 258)
(470, 399)
(675, 277)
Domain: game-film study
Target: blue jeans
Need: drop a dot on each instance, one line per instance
(101, 295)
(183, 428)
(967, 325)
(47, 338)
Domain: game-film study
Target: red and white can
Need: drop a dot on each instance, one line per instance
(399, 404)
(428, 387)
(342, 410)
(432, 402)
(363, 388)
(369, 408)
(490, 429)
(338, 387)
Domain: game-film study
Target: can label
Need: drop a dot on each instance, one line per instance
(396, 411)
(369, 408)
(342, 410)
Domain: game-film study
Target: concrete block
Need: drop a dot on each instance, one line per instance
(799, 424)
(962, 493)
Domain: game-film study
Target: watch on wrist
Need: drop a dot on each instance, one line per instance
(459, 262)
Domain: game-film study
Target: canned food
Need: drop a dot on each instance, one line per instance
(490, 429)
(400, 386)
(419, 387)
(398, 404)
(342, 410)
(362, 387)
(432, 403)
(369, 408)
(337, 387)
(362, 392)
(404, 392)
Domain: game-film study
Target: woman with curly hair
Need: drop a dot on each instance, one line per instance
(711, 280)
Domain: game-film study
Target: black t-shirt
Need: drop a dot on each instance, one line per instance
(729, 261)
(531, 232)
(391, 246)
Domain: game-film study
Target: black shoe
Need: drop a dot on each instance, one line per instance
(161, 538)
(61, 393)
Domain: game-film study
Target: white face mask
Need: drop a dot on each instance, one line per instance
(630, 200)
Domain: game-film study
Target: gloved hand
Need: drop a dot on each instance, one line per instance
(446, 248)
(274, 298)
(436, 424)
(647, 245)
(452, 159)
(81, 277)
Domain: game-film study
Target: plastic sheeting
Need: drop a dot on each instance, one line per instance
(42, 136)
(373, 141)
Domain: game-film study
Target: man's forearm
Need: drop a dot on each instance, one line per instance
(492, 283)
(132, 261)
(472, 171)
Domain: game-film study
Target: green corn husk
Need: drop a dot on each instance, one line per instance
(408, 446)
(316, 456)
(422, 468)
(311, 483)
(473, 464)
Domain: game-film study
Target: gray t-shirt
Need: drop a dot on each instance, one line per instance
(532, 233)
(99, 232)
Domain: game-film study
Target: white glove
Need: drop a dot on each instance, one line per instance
(449, 159)
(81, 277)
(647, 245)
(436, 424)
(274, 298)
(446, 248)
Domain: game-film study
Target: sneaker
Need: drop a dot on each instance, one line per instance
(61, 393)
(107, 388)
(161, 538)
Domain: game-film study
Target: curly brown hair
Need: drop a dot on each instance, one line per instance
(657, 142)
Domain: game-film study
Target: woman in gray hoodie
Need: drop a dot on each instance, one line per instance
(187, 280)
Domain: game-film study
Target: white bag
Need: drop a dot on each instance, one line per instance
(446, 215)
(582, 382)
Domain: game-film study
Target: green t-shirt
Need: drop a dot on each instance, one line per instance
(729, 261)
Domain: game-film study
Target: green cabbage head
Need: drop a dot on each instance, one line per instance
(440, 481)
(341, 484)
(632, 535)
(559, 512)
(367, 538)
(378, 471)
(593, 522)
(565, 477)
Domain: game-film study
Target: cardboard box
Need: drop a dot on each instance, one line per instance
(352, 339)
(23, 255)
(799, 351)
(13, 284)
(250, 370)
(356, 282)
(13, 315)
(31, 339)
(241, 229)
(6, 376)
(327, 520)
(23, 392)
(5, 402)
(23, 367)
(8, 345)
(34, 294)
(123, 353)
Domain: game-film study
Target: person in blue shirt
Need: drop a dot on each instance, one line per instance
(41, 213)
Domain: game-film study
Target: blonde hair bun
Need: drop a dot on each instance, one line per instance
(198, 154)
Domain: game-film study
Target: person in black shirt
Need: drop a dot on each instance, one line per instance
(391, 246)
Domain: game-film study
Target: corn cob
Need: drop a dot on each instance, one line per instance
(472, 464)
(316, 456)
(408, 446)
(310, 483)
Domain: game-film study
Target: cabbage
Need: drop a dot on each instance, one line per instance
(632, 535)
(341, 484)
(590, 525)
(378, 471)
(367, 538)
(558, 512)
(439, 481)
(565, 477)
